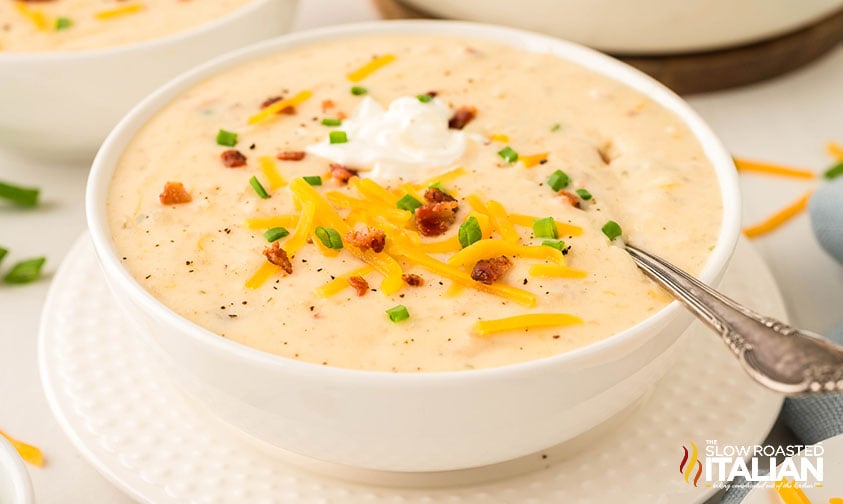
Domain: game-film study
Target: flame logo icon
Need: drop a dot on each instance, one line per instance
(690, 462)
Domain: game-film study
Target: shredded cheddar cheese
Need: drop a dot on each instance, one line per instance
(556, 271)
(370, 67)
(339, 283)
(563, 227)
(123, 10)
(501, 222)
(276, 107)
(328, 217)
(527, 321)
(342, 200)
(779, 218)
(484, 249)
(532, 160)
(773, 169)
(790, 493)
(304, 229)
(264, 273)
(411, 254)
(271, 222)
(36, 17)
(445, 178)
(374, 191)
(835, 150)
(270, 171)
(499, 137)
(27, 452)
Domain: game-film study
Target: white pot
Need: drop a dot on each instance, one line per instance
(15, 487)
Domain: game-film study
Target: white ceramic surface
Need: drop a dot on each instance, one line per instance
(832, 485)
(15, 487)
(141, 433)
(406, 421)
(643, 26)
(63, 104)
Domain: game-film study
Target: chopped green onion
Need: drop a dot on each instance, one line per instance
(545, 228)
(508, 154)
(611, 229)
(424, 98)
(63, 23)
(557, 244)
(329, 237)
(437, 185)
(227, 138)
(558, 180)
(584, 194)
(834, 172)
(556, 127)
(408, 203)
(3, 253)
(398, 313)
(275, 234)
(331, 121)
(469, 232)
(337, 137)
(358, 90)
(313, 180)
(25, 271)
(258, 187)
(23, 196)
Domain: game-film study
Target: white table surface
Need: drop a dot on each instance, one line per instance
(788, 120)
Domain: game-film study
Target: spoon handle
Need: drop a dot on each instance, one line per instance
(779, 356)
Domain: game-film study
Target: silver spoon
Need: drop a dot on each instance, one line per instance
(778, 356)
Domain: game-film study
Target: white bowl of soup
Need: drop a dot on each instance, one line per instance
(72, 68)
(398, 245)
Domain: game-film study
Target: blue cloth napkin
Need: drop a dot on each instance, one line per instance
(813, 419)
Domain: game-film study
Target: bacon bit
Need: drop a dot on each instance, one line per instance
(570, 198)
(278, 256)
(412, 279)
(436, 195)
(174, 194)
(328, 105)
(233, 158)
(291, 155)
(433, 219)
(289, 110)
(342, 173)
(462, 117)
(487, 271)
(360, 285)
(370, 238)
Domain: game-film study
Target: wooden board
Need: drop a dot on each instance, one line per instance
(712, 70)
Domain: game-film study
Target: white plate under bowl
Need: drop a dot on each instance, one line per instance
(149, 440)
(15, 487)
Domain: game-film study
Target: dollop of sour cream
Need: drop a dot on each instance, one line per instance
(408, 140)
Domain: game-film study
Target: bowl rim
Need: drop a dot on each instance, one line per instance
(635, 335)
(156, 43)
(16, 473)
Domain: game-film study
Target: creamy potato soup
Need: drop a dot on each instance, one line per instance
(404, 203)
(70, 25)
